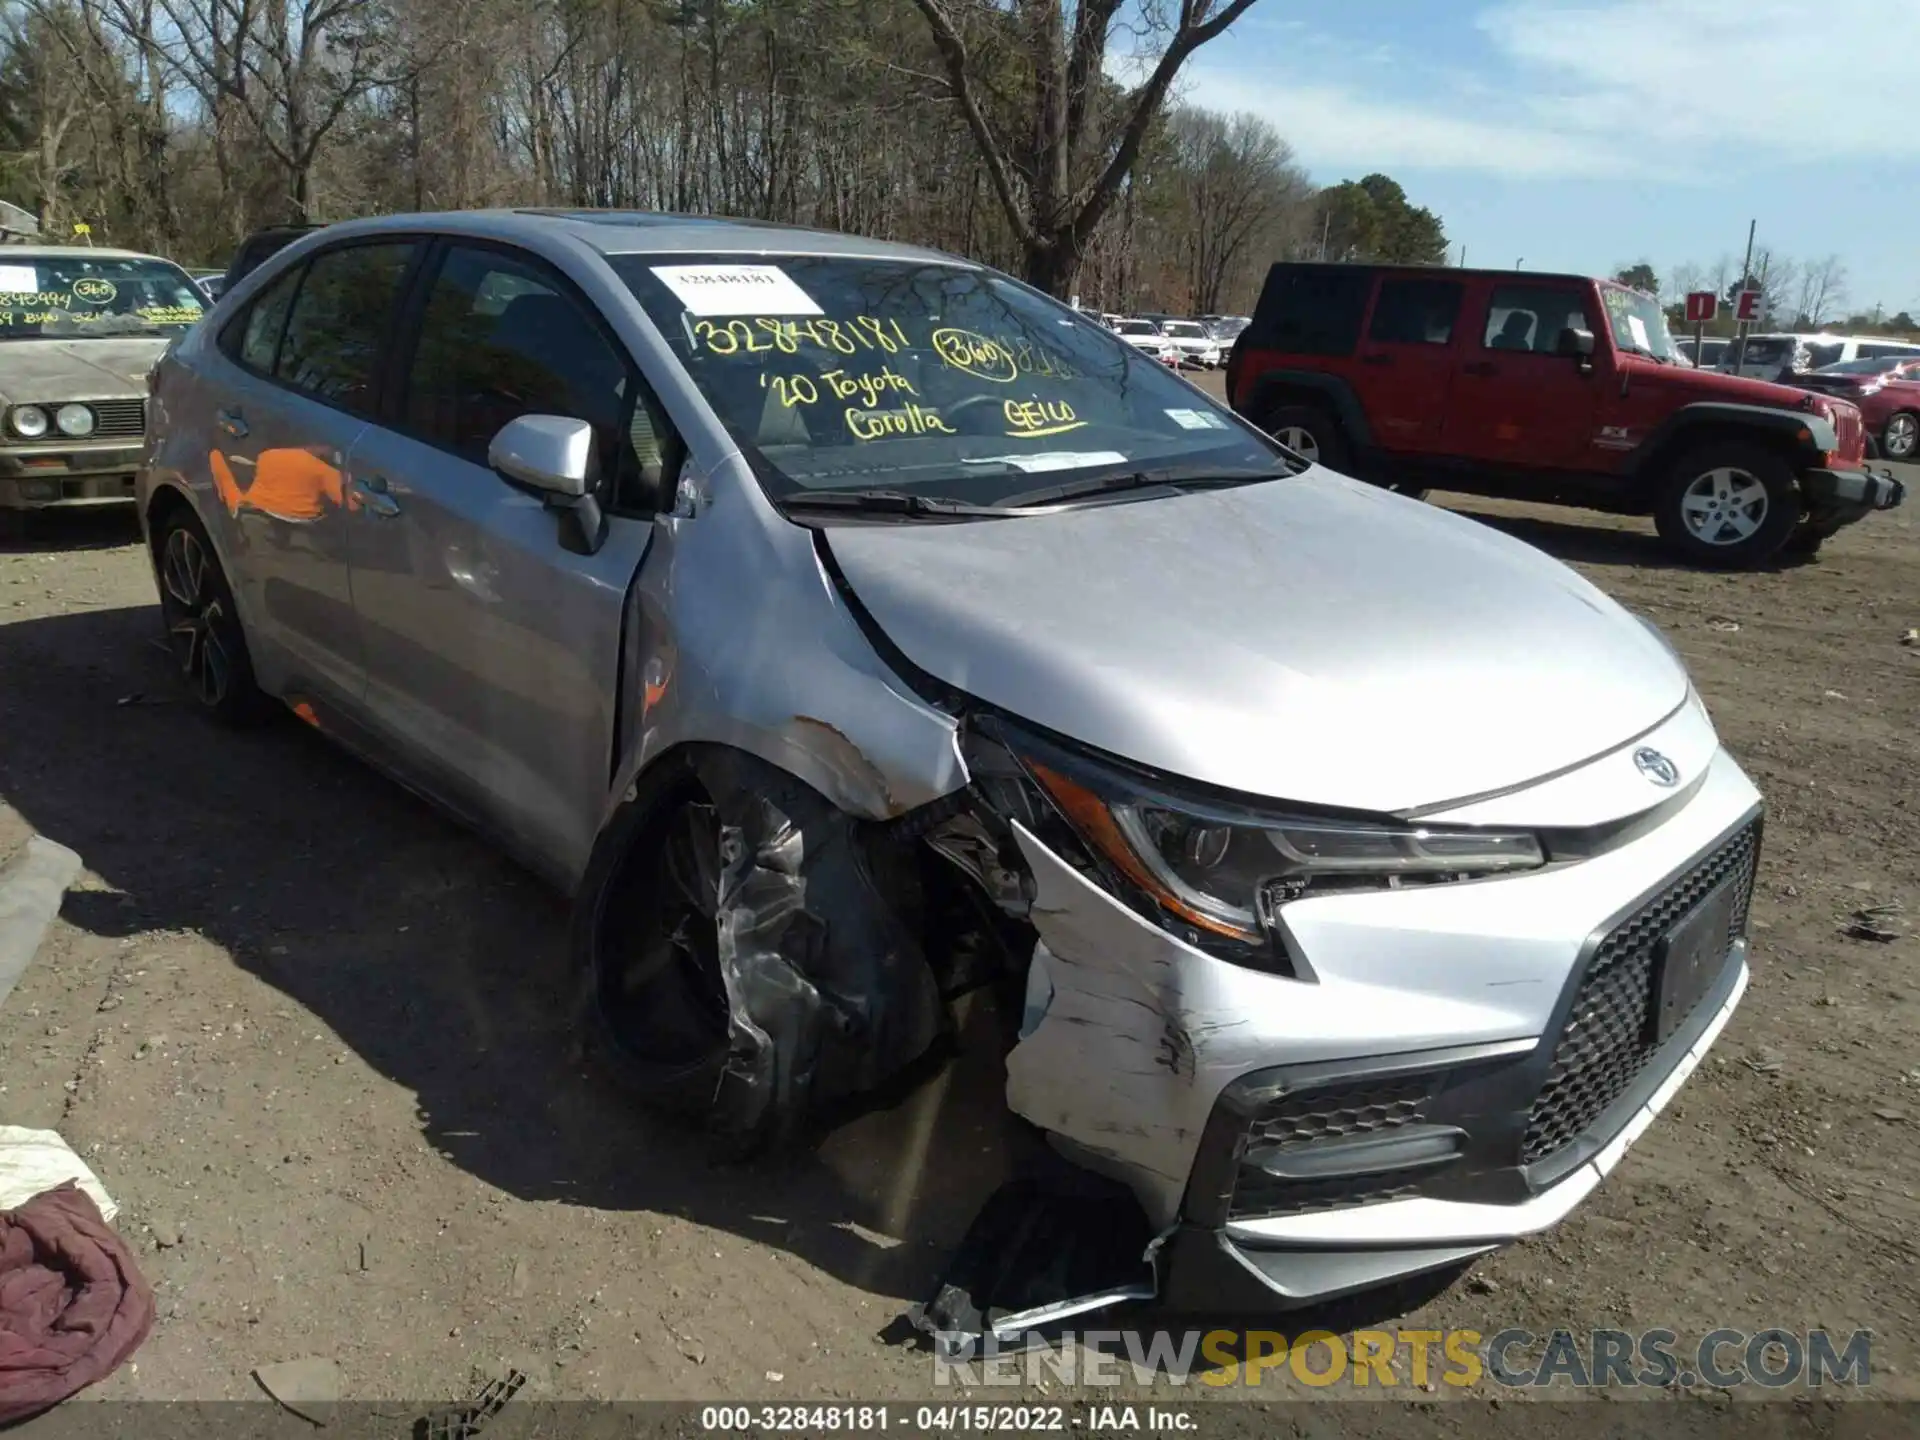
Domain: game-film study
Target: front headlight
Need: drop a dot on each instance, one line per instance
(75, 421)
(1227, 874)
(28, 421)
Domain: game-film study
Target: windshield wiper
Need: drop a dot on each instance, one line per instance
(1173, 478)
(886, 502)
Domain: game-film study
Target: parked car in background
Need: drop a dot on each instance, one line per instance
(1225, 328)
(647, 544)
(258, 247)
(211, 283)
(1712, 350)
(1145, 335)
(1193, 343)
(1783, 357)
(1887, 390)
(1547, 387)
(80, 327)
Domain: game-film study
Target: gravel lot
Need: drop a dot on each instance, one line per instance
(315, 1040)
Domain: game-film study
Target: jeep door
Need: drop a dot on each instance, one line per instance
(1516, 400)
(1407, 359)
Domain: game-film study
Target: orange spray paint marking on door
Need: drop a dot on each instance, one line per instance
(287, 484)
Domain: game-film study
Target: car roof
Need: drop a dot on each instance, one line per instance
(643, 232)
(1449, 272)
(71, 252)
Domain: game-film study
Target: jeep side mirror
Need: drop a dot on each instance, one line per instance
(1576, 344)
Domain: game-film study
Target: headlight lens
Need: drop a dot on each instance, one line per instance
(29, 421)
(1228, 876)
(75, 421)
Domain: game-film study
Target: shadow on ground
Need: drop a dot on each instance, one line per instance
(95, 527)
(443, 966)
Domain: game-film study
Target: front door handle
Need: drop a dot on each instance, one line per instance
(373, 493)
(1480, 367)
(232, 422)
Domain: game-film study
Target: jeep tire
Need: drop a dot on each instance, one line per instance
(1311, 432)
(1728, 503)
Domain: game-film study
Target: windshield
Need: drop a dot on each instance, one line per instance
(1135, 327)
(1638, 322)
(840, 374)
(94, 297)
(1185, 329)
(1767, 349)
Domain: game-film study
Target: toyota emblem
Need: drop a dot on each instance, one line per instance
(1656, 767)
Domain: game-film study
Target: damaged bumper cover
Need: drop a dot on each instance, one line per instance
(1450, 1068)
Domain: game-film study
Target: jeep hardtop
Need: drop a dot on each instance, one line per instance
(1556, 388)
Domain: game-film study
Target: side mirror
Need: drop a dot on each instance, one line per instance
(1576, 344)
(554, 454)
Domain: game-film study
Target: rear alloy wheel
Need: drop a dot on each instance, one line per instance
(203, 630)
(1310, 433)
(1901, 437)
(1729, 504)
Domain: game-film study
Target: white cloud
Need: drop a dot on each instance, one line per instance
(1660, 89)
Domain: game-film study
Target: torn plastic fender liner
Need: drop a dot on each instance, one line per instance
(828, 992)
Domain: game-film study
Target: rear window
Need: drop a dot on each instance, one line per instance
(1767, 351)
(1310, 311)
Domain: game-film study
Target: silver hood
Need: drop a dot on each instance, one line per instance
(54, 371)
(1314, 639)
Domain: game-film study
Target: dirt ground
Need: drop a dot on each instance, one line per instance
(315, 1040)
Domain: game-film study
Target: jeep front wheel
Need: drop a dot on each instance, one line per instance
(1728, 504)
(1309, 432)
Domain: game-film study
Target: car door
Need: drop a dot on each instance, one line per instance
(493, 652)
(1407, 362)
(299, 383)
(1516, 400)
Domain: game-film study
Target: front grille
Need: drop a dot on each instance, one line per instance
(1609, 1035)
(118, 419)
(1847, 430)
(1308, 1117)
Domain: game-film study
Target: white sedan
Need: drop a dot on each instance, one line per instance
(1192, 340)
(1145, 335)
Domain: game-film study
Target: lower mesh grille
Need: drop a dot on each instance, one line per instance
(1608, 1039)
(1309, 1117)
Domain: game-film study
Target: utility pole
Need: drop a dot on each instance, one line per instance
(1326, 231)
(1742, 326)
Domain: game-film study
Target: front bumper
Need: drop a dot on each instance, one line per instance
(52, 477)
(1843, 496)
(1455, 1034)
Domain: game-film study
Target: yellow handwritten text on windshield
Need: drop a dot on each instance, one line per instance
(976, 355)
(94, 290)
(37, 300)
(915, 419)
(762, 335)
(170, 314)
(1031, 419)
(793, 391)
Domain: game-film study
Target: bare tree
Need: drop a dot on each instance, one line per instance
(1822, 290)
(1057, 183)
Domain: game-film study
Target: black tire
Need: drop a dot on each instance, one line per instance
(1311, 431)
(1900, 440)
(652, 1002)
(203, 626)
(1729, 504)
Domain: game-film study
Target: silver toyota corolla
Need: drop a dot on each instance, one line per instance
(845, 624)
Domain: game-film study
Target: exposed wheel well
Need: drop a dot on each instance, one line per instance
(165, 503)
(1653, 469)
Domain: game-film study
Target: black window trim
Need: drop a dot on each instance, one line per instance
(411, 312)
(384, 356)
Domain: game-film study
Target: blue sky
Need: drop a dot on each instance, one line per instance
(1584, 134)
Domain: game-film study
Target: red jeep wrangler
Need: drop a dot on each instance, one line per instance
(1555, 388)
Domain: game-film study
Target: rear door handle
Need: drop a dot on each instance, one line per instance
(232, 422)
(1480, 367)
(374, 495)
